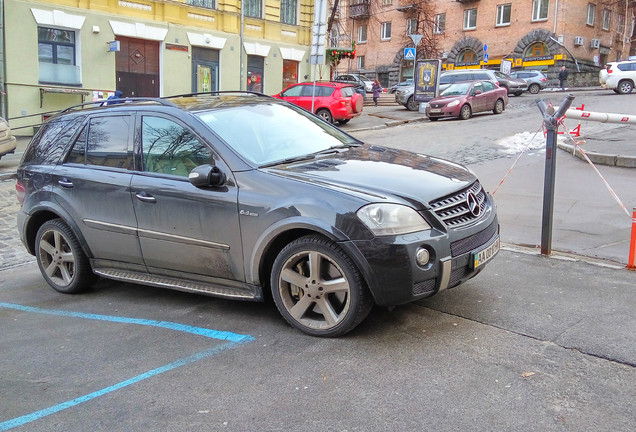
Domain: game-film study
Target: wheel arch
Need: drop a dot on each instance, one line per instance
(46, 213)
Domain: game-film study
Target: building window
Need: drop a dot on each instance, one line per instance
(503, 14)
(470, 19)
(440, 23)
(362, 33)
(208, 4)
(360, 62)
(387, 2)
(537, 49)
(467, 55)
(386, 31)
(540, 10)
(411, 26)
(255, 71)
(57, 56)
(591, 13)
(621, 24)
(288, 10)
(290, 73)
(606, 19)
(252, 8)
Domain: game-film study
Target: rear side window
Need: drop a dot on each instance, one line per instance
(51, 143)
(488, 86)
(627, 66)
(445, 79)
(347, 91)
(321, 91)
(481, 76)
(104, 141)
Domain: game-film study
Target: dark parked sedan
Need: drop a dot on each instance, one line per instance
(240, 195)
(462, 100)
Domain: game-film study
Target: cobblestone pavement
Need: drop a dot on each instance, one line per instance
(12, 252)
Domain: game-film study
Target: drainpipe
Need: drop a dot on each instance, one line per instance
(576, 62)
(3, 94)
(556, 14)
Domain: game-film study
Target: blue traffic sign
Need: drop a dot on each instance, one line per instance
(409, 53)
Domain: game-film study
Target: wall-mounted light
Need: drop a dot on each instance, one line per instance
(95, 29)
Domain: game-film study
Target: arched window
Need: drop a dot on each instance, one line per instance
(537, 49)
(466, 55)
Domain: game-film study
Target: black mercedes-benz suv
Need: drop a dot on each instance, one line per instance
(237, 195)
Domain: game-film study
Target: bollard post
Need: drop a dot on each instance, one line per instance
(632, 244)
(551, 122)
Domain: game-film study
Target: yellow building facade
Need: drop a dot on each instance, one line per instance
(60, 53)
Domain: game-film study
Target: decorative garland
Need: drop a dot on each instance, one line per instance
(334, 55)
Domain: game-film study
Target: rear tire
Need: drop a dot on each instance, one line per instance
(625, 87)
(343, 121)
(62, 261)
(433, 118)
(465, 113)
(499, 106)
(325, 115)
(534, 88)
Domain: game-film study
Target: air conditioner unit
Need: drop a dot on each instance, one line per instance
(595, 43)
(444, 55)
(578, 40)
(560, 39)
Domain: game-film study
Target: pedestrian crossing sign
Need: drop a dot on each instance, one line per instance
(409, 53)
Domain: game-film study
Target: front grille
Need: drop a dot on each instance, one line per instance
(453, 210)
(460, 247)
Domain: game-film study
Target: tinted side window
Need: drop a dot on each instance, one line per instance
(78, 152)
(169, 148)
(487, 86)
(52, 142)
(107, 142)
(481, 76)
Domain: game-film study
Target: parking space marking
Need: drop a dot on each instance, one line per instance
(233, 340)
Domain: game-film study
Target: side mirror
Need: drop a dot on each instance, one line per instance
(206, 175)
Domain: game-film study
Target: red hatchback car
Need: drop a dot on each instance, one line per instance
(334, 102)
(463, 99)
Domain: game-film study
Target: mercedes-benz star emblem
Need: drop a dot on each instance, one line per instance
(473, 204)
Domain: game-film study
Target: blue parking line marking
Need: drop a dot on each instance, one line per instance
(233, 339)
(213, 334)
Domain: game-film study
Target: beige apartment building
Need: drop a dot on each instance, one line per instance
(531, 34)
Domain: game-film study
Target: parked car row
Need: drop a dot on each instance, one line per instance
(461, 100)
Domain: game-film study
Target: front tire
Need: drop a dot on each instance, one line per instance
(318, 289)
(411, 105)
(625, 87)
(465, 113)
(61, 259)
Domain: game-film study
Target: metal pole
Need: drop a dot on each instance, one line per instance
(241, 65)
(551, 122)
(631, 264)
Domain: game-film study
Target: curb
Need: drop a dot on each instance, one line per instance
(600, 158)
(8, 176)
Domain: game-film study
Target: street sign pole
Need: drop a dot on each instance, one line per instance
(416, 38)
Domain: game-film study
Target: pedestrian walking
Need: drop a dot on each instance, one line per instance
(563, 76)
(118, 95)
(376, 88)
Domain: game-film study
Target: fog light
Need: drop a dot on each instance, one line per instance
(422, 257)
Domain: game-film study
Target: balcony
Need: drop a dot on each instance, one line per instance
(360, 9)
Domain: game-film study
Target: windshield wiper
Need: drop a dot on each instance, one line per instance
(288, 160)
(336, 148)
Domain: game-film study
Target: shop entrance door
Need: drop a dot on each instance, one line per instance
(137, 67)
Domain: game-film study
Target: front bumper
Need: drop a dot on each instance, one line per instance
(393, 275)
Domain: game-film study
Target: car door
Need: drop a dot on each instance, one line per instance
(292, 95)
(183, 229)
(93, 186)
(489, 94)
(479, 98)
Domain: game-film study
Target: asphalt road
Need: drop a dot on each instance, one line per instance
(532, 343)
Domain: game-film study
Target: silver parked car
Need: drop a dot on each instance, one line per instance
(536, 79)
(7, 140)
(404, 96)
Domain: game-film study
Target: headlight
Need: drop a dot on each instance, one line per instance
(453, 103)
(391, 219)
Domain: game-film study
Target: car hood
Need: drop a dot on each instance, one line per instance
(381, 174)
(443, 100)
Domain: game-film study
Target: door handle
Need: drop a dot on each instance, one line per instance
(65, 183)
(145, 197)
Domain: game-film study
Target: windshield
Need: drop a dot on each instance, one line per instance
(264, 133)
(457, 89)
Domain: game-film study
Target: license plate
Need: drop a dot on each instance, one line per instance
(436, 110)
(484, 255)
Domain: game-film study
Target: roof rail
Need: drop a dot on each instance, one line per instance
(103, 102)
(219, 92)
